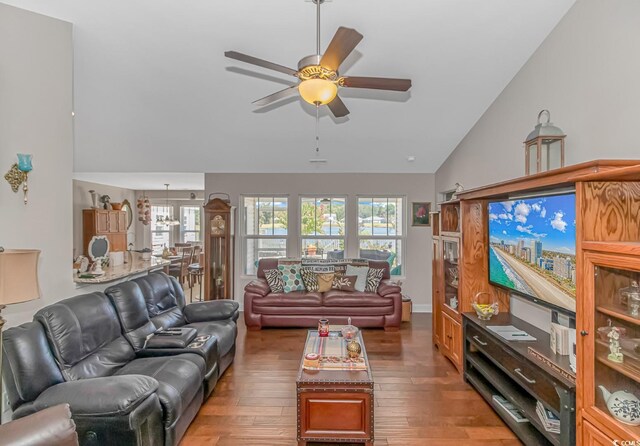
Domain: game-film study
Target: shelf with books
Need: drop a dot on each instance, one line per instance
(498, 381)
(502, 363)
(526, 431)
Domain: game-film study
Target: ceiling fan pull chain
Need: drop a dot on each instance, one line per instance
(317, 129)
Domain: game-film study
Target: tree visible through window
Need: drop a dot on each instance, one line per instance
(322, 227)
(381, 230)
(265, 230)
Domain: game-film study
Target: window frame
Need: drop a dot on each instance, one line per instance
(167, 229)
(182, 232)
(243, 229)
(401, 259)
(302, 237)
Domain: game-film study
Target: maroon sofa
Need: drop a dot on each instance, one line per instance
(262, 308)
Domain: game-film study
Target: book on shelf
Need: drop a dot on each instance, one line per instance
(511, 409)
(549, 420)
(559, 337)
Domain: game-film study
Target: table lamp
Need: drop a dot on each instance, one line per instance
(18, 283)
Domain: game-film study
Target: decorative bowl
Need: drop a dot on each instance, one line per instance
(485, 306)
(349, 331)
(603, 332)
(116, 206)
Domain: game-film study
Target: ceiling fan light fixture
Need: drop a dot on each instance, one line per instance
(318, 91)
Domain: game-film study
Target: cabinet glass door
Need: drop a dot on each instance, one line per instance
(450, 256)
(437, 296)
(615, 386)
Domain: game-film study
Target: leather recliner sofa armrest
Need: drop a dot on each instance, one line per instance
(258, 286)
(47, 427)
(106, 396)
(388, 287)
(211, 311)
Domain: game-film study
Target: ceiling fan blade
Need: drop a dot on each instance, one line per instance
(261, 63)
(377, 83)
(343, 42)
(289, 91)
(338, 108)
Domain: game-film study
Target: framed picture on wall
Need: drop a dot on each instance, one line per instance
(420, 214)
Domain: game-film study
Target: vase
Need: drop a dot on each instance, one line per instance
(94, 199)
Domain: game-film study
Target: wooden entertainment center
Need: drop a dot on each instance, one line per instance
(607, 259)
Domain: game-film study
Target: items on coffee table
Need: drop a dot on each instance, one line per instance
(323, 327)
(333, 353)
(349, 331)
(334, 400)
(354, 349)
(311, 360)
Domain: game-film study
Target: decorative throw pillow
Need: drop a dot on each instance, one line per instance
(309, 278)
(274, 279)
(325, 281)
(345, 283)
(361, 272)
(374, 276)
(291, 277)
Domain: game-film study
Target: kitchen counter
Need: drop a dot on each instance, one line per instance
(134, 268)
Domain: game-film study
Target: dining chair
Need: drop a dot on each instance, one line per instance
(180, 270)
(196, 271)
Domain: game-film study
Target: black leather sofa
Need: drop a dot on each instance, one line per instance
(88, 351)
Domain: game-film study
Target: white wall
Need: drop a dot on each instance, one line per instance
(36, 58)
(82, 200)
(587, 74)
(416, 187)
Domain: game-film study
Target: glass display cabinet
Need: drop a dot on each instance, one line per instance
(446, 298)
(450, 258)
(219, 219)
(612, 345)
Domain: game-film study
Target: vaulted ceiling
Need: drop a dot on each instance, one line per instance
(154, 93)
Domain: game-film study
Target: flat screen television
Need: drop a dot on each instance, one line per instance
(532, 249)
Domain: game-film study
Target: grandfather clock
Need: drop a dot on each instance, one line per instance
(219, 220)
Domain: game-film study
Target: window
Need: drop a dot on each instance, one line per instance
(160, 233)
(322, 227)
(190, 224)
(381, 232)
(265, 230)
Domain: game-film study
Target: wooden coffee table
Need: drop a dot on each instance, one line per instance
(334, 405)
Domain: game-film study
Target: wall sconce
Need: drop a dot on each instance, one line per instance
(18, 174)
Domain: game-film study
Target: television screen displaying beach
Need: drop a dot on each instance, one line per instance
(533, 248)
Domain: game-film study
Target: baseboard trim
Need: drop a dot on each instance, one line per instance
(421, 308)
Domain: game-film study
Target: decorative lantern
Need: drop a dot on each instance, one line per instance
(544, 147)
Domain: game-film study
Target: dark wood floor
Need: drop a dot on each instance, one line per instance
(420, 398)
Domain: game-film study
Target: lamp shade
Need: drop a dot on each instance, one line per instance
(318, 91)
(19, 276)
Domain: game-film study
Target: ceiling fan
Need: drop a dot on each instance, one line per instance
(318, 74)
